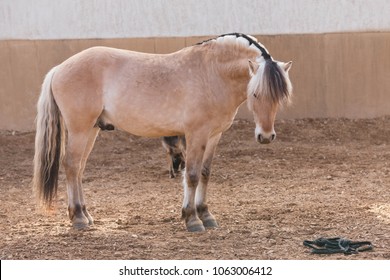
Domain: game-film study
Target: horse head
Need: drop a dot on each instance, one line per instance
(268, 88)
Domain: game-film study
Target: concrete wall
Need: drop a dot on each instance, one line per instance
(343, 74)
(81, 19)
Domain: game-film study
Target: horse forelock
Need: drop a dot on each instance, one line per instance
(270, 81)
(240, 40)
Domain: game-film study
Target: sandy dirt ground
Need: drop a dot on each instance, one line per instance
(320, 178)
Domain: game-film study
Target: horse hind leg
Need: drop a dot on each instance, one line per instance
(177, 160)
(178, 155)
(182, 148)
(91, 141)
(74, 162)
(167, 147)
(170, 165)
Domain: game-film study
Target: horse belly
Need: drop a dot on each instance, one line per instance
(142, 121)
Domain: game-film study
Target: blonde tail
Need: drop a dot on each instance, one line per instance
(49, 144)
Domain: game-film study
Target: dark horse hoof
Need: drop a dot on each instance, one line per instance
(196, 228)
(210, 223)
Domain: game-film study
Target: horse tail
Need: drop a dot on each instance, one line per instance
(275, 84)
(49, 144)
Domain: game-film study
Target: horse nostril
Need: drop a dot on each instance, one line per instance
(273, 136)
(259, 138)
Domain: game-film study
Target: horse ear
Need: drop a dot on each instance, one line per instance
(287, 66)
(253, 66)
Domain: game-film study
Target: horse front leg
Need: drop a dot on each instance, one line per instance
(194, 156)
(201, 192)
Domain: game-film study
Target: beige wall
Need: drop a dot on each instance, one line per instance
(334, 75)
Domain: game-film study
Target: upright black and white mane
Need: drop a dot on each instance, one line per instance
(248, 40)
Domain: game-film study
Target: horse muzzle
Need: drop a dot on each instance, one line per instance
(265, 139)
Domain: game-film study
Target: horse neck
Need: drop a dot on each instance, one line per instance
(233, 68)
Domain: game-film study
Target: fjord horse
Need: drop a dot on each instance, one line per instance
(193, 92)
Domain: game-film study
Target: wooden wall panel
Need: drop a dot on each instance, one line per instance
(334, 75)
